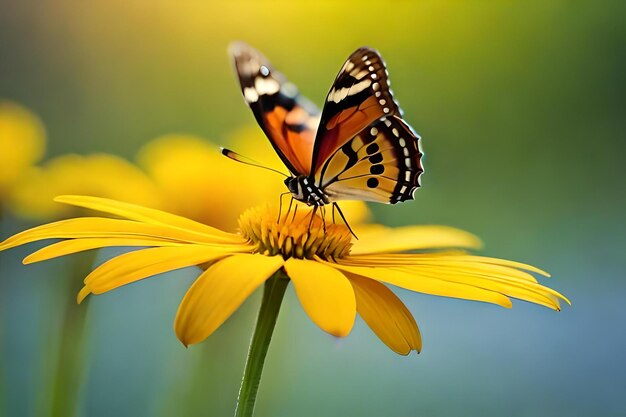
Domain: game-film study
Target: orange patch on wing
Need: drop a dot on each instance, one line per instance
(296, 146)
(302, 145)
(345, 125)
(297, 116)
(275, 121)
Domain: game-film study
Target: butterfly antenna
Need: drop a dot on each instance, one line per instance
(335, 205)
(245, 160)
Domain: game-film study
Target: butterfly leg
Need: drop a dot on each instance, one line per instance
(289, 208)
(323, 210)
(280, 206)
(335, 205)
(312, 215)
(295, 210)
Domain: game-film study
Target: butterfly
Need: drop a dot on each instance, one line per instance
(357, 148)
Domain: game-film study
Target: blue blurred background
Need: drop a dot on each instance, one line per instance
(522, 113)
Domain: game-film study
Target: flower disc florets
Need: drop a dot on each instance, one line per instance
(295, 234)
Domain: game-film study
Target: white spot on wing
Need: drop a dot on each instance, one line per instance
(266, 86)
(250, 94)
(359, 75)
(338, 95)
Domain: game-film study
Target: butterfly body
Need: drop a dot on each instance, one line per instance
(357, 148)
(303, 189)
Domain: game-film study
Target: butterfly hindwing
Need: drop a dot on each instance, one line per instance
(288, 119)
(382, 163)
(359, 148)
(359, 96)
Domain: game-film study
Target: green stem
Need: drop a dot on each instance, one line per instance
(70, 361)
(270, 306)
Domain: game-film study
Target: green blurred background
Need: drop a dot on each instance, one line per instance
(522, 113)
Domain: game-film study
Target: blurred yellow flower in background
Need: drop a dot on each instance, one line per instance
(98, 175)
(22, 143)
(334, 277)
(183, 174)
(199, 183)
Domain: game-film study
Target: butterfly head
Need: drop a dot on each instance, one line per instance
(303, 189)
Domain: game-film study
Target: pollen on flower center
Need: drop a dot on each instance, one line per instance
(291, 236)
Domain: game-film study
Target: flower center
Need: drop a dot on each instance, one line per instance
(295, 234)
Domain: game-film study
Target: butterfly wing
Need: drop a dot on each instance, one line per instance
(382, 163)
(359, 96)
(288, 119)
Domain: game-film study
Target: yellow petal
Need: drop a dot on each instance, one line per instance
(504, 262)
(219, 291)
(386, 315)
(376, 239)
(190, 172)
(490, 273)
(82, 294)
(507, 285)
(423, 283)
(449, 259)
(100, 227)
(68, 247)
(325, 294)
(145, 215)
(136, 265)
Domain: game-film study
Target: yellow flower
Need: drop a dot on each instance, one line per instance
(182, 174)
(22, 143)
(334, 277)
(199, 183)
(98, 174)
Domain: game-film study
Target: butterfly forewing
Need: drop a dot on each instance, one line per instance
(382, 163)
(359, 96)
(288, 119)
(358, 149)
